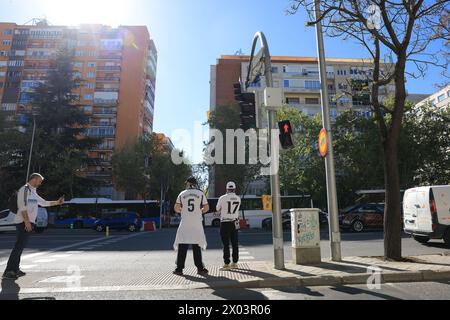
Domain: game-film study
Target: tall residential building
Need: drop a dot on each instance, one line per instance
(348, 83)
(440, 99)
(118, 68)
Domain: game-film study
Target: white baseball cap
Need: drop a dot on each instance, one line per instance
(231, 186)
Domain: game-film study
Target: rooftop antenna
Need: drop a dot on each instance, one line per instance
(40, 22)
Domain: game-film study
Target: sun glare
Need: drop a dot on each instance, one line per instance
(75, 12)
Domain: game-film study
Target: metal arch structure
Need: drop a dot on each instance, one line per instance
(263, 59)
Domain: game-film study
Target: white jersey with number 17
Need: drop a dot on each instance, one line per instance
(228, 206)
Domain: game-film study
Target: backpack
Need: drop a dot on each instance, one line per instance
(12, 201)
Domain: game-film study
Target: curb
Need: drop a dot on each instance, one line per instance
(330, 280)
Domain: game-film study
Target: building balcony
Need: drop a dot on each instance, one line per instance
(109, 68)
(110, 57)
(301, 90)
(106, 89)
(108, 79)
(103, 102)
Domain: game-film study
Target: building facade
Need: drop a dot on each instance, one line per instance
(118, 68)
(348, 83)
(439, 100)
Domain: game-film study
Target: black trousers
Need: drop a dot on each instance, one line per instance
(229, 234)
(21, 242)
(182, 252)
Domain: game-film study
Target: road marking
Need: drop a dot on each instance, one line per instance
(60, 256)
(244, 252)
(62, 279)
(247, 258)
(28, 266)
(43, 260)
(37, 254)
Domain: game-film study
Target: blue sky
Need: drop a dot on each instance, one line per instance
(190, 36)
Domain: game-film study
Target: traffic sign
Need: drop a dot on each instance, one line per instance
(323, 143)
(267, 202)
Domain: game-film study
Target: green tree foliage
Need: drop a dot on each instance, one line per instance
(424, 154)
(228, 117)
(145, 167)
(60, 149)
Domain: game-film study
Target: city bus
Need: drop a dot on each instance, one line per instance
(83, 212)
(252, 209)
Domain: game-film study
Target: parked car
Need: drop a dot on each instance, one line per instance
(362, 216)
(7, 221)
(427, 213)
(286, 218)
(130, 221)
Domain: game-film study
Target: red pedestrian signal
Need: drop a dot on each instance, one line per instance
(286, 134)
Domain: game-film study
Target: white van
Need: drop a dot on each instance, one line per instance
(426, 213)
(7, 221)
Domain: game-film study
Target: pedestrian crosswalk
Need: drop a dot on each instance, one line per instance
(244, 254)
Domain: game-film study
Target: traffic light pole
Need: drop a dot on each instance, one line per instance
(335, 236)
(277, 226)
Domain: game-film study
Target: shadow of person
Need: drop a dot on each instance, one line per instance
(10, 290)
(229, 292)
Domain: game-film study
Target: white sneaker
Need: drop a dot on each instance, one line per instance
(226, 267)
(233, 266)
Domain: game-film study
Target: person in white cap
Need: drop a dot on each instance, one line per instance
(192, 204)
(228, 206)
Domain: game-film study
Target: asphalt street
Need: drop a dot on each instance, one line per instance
(87, 253)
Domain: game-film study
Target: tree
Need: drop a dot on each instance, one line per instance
(145, 168)
(61, 146)
(402, 30)
(228, 117)
(301, 168)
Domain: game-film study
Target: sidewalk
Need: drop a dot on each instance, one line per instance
(352, 270)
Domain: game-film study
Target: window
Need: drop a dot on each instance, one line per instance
(274, 69)
(92, 64)
(92, 53)
(79, 54)
(88, 97)
(89, 85)
(7, 42)
(312, 84)
(286, 83)
(78, 64)
(441, 98)
(293, 100)
(91, 75)
(8, 32)
(3, 53)
(15, 63)
(87, 109)
(312, 100)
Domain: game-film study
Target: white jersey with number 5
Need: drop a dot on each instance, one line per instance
(228, 206)
(190, 230)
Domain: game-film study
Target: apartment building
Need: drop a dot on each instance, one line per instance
(117, 65)
(439, 100)
(348, 82)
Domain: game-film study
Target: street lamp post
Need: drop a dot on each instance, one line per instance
(31, 149)
(335, 236)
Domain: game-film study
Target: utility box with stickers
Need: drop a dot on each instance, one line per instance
(305, 236)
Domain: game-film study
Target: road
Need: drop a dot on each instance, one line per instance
(143, 259)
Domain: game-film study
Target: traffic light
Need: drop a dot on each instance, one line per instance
(247, 105)
(286, 134)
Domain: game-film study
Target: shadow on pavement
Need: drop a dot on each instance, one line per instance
(355, 291)
(10, 290)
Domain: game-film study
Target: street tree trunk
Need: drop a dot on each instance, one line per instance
(392, 217)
